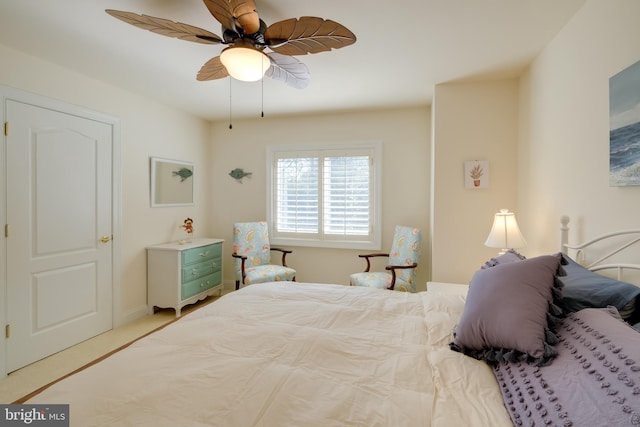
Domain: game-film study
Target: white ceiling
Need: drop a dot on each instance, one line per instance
(403, 49)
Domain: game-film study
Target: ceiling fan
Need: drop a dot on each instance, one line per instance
(247, 37)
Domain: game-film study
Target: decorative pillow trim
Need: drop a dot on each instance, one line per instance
(496, 356)
(509, 256)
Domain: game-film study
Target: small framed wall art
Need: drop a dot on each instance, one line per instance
(476, 174)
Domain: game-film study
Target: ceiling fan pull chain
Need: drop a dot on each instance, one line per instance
(230, 111)
(262, 94)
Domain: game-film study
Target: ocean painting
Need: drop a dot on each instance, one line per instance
(624, 127)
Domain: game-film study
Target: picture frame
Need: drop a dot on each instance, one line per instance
(476, 174)
(172, 182)
(624, 127)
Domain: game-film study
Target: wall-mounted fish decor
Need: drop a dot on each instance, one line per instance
(183, 173)
(238, 174)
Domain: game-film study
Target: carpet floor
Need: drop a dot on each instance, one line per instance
(30, 378)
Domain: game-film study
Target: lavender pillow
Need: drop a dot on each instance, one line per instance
(507, 257)
(510, 312)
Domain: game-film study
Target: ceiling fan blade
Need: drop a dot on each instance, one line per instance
(235, 14)
(212, 70)
(307, 34)
(288, 70)
(166, 27)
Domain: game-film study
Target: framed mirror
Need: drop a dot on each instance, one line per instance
(171, 182)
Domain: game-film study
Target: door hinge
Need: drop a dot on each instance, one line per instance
(6, 230)
(7, 331)
(6, 128)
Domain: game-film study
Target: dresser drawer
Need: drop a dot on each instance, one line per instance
(202, 268)
(191, 256)
(194, 287)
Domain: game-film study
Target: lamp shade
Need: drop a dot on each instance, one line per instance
(505, 233)
(245, 63)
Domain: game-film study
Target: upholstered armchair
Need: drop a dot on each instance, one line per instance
(252, 253)
(402, 262)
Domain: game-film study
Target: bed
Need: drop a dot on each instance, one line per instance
(305, 354)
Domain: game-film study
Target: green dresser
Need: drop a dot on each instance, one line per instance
(181, 274)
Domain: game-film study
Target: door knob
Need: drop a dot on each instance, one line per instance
(105, 239)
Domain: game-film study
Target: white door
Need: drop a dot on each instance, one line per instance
(59, 250)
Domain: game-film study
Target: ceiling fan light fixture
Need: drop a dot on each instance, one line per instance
(245, 63)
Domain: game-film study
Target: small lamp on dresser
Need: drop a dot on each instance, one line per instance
(505, 233)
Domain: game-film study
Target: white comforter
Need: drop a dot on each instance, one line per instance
(293, 354)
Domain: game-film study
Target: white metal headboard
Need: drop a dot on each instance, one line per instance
(632, 237)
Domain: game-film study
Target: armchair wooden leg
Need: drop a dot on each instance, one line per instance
(237, 284)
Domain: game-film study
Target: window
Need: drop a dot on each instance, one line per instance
(325, 196)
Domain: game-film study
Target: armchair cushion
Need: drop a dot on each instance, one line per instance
(268, 273)
(380, 280)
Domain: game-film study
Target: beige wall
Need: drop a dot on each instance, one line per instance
(471, 121)
(564, 133)
(147, 129)
(405, 191)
